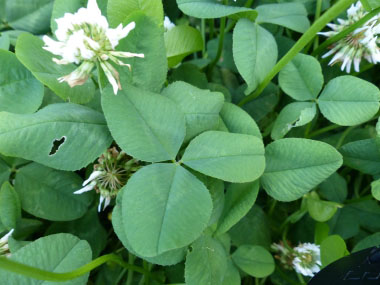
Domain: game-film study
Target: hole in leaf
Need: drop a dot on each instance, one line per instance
(57, 143)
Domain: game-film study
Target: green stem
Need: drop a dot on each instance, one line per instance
(220, 46)
(262, 282)
(318, 10)
(323, 130)
(345, 32)
(368, 187)
(36, 273)
(357, 184)
(343, 136)
(118, 279)
(317, 26)
(300, 278)
(131, 260)
(146, 277)
(272, 206)
(211, 27)
(203, 32)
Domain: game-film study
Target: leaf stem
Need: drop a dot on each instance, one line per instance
(300, 278)
(203, 32)
(40, 274)
(131, 260)
(318, 10)
(323, 130)
(220, 46)
(317, 26)
(343, 136)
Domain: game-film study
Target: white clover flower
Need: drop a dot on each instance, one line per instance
(307, 259)
(85, 38)
(361, 43)
(168, 25)
(4, 248)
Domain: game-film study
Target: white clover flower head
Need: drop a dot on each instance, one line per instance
(168, 25)
(361, 43)
(85, 38)
(4, 248)
(110, 174)
(307, 259)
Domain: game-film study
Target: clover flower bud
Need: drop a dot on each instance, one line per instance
(85, 38)
(361, 43)
(110, 174)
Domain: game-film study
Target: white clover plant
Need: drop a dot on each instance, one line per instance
(173, 142)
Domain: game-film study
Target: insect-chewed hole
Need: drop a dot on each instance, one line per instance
(57, 143)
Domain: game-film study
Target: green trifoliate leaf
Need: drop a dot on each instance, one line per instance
(238, 201)
(332, 249)
(367, 242)
(206, 263)
(375, 189)
(4, 42)
(87, 228)
(302, 78)
(201, 107)
(170, 257)
(349, 101)
(239, 121)
(230, 157)
(148, 73)
(20, 92)
(10, 207)
(180, 41)
(58, 253)
(253, 228)
(295, 166)
(363, 155)
(293, 115)
(320, 210)
(232, 275)
(289, 15)
(254, 51)
(52, 197)
(118, 10)
(176, 207)
(145, 125)
(63, 136)
(334, 188)
(254, 260)
(206, 9)
(5, 171)
(32, 16)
